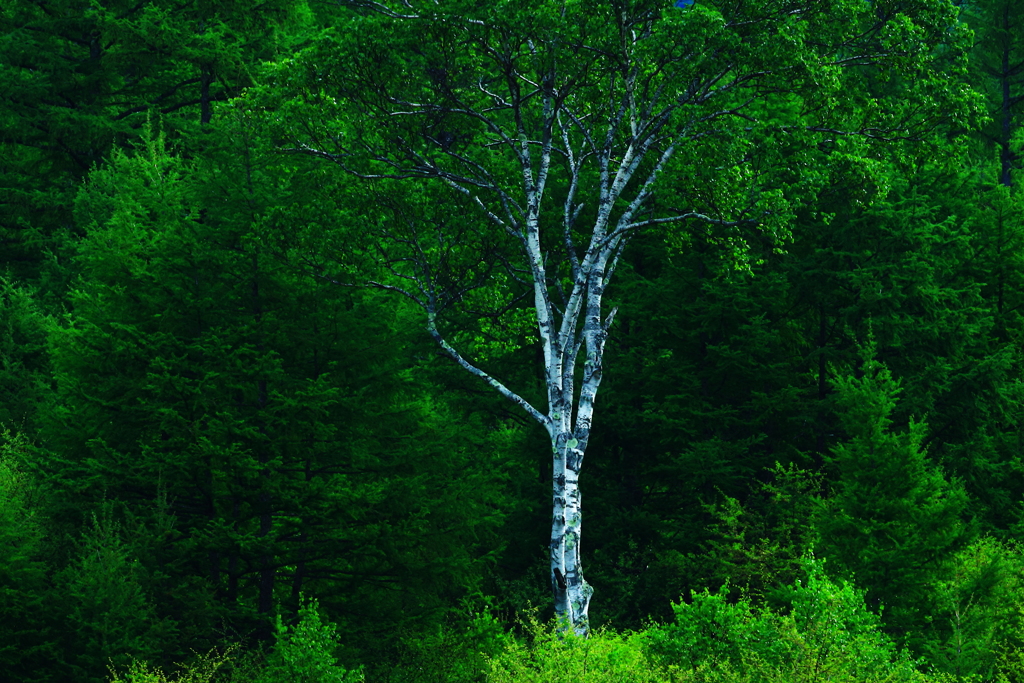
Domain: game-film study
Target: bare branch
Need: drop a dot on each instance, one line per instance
(679, 218)
(515, 398)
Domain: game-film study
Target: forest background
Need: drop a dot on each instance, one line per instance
(805, 462)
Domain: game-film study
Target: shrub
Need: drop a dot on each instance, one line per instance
(823, 632)
(976, 613)
(711, 631)
(304, 653)
(202, 671)
(553, 656)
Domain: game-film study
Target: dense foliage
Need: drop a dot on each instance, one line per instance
(231, 450)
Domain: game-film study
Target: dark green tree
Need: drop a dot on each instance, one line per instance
(24, 362)
(32, 623)
(977, 618)
(894, 521)
(998, 69)
(263, 429)
(583, 120)
(81, 78)
(109, 615)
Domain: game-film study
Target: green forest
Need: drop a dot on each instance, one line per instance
(321, 319)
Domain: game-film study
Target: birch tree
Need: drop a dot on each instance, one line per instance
(560, 129)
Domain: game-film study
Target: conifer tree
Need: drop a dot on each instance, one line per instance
(81, 78)
(894, 521)
(998, 66)
(225, 402)
(31, 627)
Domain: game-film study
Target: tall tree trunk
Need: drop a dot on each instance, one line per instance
(570, 590)
(1006, 155)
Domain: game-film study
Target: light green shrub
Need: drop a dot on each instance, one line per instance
(829, 634)
(304, 653)
(824, 633)
(202, 671)
(710, 631)
(552, 656)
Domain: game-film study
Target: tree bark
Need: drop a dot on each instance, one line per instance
(570, 590)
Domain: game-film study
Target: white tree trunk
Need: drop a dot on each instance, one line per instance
(570, 590)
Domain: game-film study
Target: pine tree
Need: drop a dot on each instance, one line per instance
(81, 78)
(261, 425)
(31, 627)
(894, 521)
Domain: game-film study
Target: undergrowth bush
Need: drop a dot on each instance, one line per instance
(551, 656)
(303, 653)
(203, 670)
(822, 632)
(457, 650)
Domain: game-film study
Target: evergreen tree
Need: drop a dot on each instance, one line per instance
(24, 363)
(32, 624)
(263, 426)
(998, 71)
(81, 78)
(894, 521)
(109, 615)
